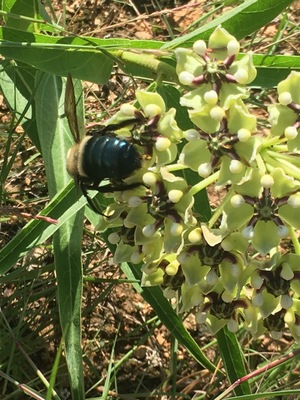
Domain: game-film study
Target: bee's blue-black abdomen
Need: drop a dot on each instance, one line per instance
(109, 157)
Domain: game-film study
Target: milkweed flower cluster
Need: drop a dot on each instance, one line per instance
(243, 265)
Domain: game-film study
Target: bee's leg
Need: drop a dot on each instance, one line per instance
(104, 189)
(90, 202)
(110, 129)
(110, 188)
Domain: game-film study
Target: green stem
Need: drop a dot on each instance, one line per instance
(220, 208)
(162, 70)
(31, 20)
(272, 142)
(274, 160)
(203, 184)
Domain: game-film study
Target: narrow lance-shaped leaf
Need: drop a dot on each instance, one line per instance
(55, 139)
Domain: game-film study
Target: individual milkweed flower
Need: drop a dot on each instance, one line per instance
(264, 209)
(155, 126)
(276, 283)
(215, 68)
(223, 145)
(216, 312)
(207, 265)
(165, 271)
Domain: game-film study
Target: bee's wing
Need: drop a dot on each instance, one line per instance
(70, 109)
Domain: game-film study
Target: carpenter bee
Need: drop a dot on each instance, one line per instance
(99, 155)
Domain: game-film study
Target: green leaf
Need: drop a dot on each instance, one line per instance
(19, 7)
(271, 69)
(26, 15)
(240, 21)
(232, 356)
(83, 57)
(56, 139)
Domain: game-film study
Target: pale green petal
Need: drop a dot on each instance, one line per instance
(195, 98)
(283, 184)
(188, 60)
(265, 237)
(145, 98)
(269, 304)
(230, 93)
(280, 118)
(203, 120)
(193, 270)
(239, 117)
(195, 153)
(218, 41)
(245, 64)
(168, 127)
(155, 279)
(292, 85)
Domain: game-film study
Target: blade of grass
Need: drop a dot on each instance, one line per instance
(240, 21)
(55, 139)
(232, 356)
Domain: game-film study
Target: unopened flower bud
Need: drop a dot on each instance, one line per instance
(232, 325)
(195, 235)
(201, 317)
(191, 134)
(290, 132)
(172, 268)
(176, 229)
(114, 238)
(237, 201)
(169, 293)
(149, 179)
(204, 170)
(282, 231)
(243, 134)
(241, 76)
(236, 166)
(233, 47)
(186, 78)
(211, 97)
(175, 195)
(128, 109)
(248, 232)
(149, 230)
(217, 113)
(267, 181)
(162, 143)
(285, 98)
(294, 200)
(199, 47)
(151, 110)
